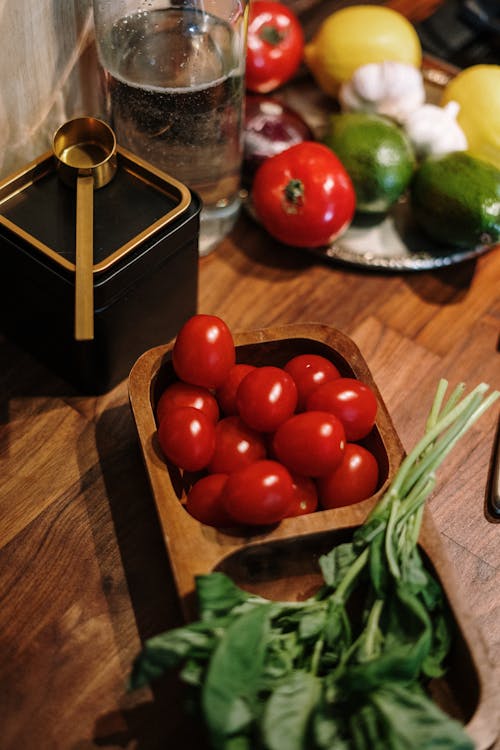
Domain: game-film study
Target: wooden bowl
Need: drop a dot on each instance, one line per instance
(280, 562)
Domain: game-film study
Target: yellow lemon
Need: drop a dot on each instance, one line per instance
(477, 91)
(358, 35)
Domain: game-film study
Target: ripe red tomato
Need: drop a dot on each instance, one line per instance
(304, 196)
(354, 480)
(310, 443)
(266, 397)
(309, 371)
(275, 46)
(226, 393)
(204, 351)
(184, 394)
(204, 501)
(353, 402)
(236, 445)
(187, 438)
(259, 494)
(305, 496)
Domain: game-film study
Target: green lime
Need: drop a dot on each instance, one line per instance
(377, 155)
(456, 199)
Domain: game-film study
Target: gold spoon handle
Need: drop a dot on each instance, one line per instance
(84, 284)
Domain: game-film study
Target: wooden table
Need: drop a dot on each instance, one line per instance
(84, 576)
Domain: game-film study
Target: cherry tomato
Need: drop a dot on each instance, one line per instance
(204, 501)
(304, 196)
(226, 393)
(259, 494)
(236, 445)
(310, 443)
(353, 481)
(204, 351)
(275, 45)
(266, 397)
(184, 394)
(353, 402)
(187, 438)
(309, 371)
(305, 496)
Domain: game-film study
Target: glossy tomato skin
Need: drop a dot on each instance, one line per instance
(203, 351)
(311, 443)
(309, 371)
(304, 196)
(187, 438)
(305, 496)
(275, 46)
(352, 401)
(352, 482)
(204, 501)
(236, 446)
(184, 394)
(266, 397)
(226, 392)
(259, 494)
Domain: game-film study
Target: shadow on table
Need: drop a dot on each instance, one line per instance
(264, 252)
(151, 718)
(158, 723)
(443, 286)
(22, 376)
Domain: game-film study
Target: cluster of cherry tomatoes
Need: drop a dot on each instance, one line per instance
(268, 442)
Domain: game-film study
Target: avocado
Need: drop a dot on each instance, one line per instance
(376, 154)
(456, 199)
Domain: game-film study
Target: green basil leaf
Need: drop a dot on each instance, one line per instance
(398, 664)
(337, 630)
(241, 742)
(168, 650)
(330, 731)
(414, 722)
(288, 712)
(366, 729)
(218, 595)
(335, 564)
(232, 683)
(433, 665)
(312, 623)
(414, 574)
(192, 673)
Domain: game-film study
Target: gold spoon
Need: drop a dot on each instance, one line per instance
(85, 150)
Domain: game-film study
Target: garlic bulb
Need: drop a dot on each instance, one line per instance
(434, 131)
(388, 88)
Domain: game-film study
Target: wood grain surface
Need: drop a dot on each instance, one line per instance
(84, 574)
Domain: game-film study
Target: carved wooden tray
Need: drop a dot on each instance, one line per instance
(281, 562)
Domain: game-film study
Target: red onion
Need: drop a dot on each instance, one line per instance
(270, 127)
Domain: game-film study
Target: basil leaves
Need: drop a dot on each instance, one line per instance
(347, 669)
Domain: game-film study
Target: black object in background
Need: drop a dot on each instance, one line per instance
(463, 32)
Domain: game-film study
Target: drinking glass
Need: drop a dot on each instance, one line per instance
(174, 76)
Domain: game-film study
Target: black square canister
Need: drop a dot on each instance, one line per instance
(145, 267)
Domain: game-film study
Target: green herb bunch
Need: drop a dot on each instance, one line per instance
(347, 668)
